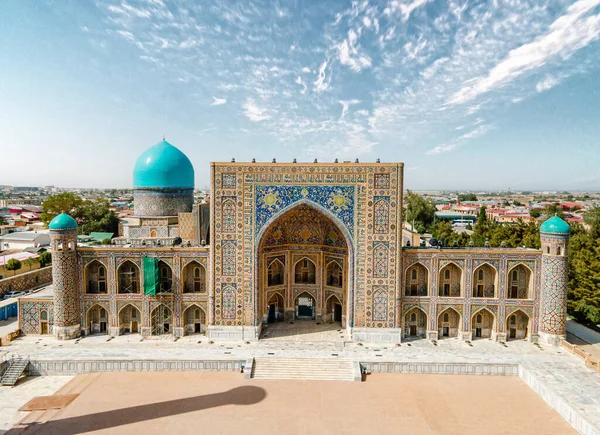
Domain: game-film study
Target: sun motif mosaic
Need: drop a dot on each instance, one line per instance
(337, 199)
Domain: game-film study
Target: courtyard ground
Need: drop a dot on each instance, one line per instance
(223, 403)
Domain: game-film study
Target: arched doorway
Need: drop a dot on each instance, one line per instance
(415, 323)
(194, 318)
(129, 320)
(97, 320)
(275, 308)
(303, 255)
(483, 324)
(448, 323)
(44, 322)
(333, 310)
(517, 325)
(305, 307)
(161, 320)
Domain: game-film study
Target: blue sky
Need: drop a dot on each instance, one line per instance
(468, 94)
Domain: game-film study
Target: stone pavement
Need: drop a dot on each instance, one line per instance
(552, 372)
(13, 398)
(223, 403)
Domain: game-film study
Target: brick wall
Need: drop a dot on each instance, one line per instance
(26, 281)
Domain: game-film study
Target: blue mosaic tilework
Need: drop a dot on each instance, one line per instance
(337, 199)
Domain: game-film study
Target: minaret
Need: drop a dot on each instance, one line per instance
(554, 235)
(65, 277)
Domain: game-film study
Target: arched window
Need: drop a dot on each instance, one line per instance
(128, 278)
(515, 275)
(44, 315)
(446, 317)
(414, 274)
(275, 273)
(558, 251)
(413, 317)
(197, 314)
(153, 233)
(166, 277)
(305, 272)
(334, 274)
(479, 318)
(547, 249)
(447, 274)
(102, 313)
(96, 278)
(194, 278)
(480, 275)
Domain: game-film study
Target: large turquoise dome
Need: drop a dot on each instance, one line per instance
(163, 166)
(63, 222)
(555, 225)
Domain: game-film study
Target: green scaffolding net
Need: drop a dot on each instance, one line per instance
(151, 276)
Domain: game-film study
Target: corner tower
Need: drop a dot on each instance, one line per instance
(63, 236)
(554, 236)
(163, 182)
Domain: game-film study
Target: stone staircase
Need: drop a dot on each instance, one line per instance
(306, 369)
(16, 367)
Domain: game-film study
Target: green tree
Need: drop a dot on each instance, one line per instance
(107, 241)
(418, 211)
(66, 202)
(467, 197)
(98, 218)
(535, 212)
(30, 262)
(45, 259)
(13, 264)
(592, 218)
(92, 215)
(584, 274)
(553, 210)
(481, 216)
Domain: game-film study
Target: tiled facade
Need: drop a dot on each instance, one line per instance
(297, 241)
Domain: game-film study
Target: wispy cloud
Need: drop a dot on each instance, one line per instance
(547, 83)
(460, 140)
(254, 112)
(218, 101)
(416, 67)
(565, 36)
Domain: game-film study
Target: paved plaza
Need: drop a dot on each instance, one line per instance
(563, 377)
(182, 403)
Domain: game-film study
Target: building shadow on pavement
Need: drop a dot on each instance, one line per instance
(246, 395)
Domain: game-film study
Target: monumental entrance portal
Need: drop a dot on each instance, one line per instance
(303, 268)
(306, 241)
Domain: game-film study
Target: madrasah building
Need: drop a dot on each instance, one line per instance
(291, 242)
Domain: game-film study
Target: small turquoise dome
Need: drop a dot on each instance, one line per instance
(555, 225)
(63, 222)
(163, 166)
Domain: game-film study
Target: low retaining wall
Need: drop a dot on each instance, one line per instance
(568, 411)
(26, 281)
(589, 360)
(491, 369)
(73, 367)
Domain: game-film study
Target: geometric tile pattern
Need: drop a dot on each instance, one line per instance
(381, 263)
(65, 281)
(162, 202)
(554, 301)
(345, 194)
(381, 215)
(228, 216)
